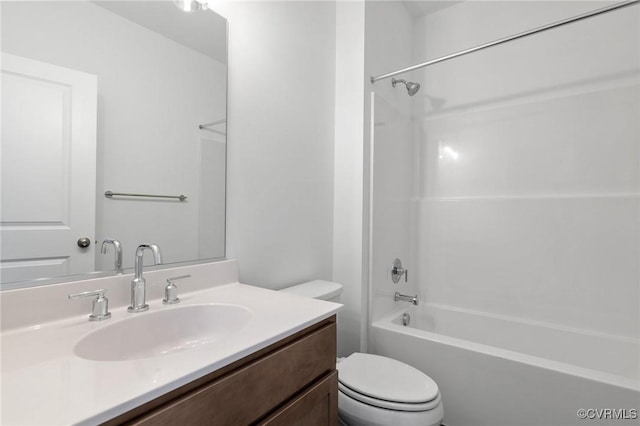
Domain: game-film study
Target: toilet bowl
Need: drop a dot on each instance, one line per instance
(377, 390)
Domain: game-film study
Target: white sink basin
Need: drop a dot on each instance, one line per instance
(162, 332)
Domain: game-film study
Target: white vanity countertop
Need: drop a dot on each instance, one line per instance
(44, 383)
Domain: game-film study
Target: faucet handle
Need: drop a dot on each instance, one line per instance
(398, 271)
(171, 290)
(100, 308)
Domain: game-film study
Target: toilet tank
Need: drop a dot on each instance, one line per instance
(318, 289)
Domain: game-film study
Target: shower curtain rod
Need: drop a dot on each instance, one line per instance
(510, 38)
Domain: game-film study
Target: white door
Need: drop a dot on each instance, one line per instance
(48, 160)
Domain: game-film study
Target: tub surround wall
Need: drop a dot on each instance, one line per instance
(389, 32)
(517, 190)
(528, 192)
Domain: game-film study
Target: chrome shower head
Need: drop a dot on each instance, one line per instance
(412, 88)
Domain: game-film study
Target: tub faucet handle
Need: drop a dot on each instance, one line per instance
(398, 271)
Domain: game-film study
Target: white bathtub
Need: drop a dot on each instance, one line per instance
(495, 370)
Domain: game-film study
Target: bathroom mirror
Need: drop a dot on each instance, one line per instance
(126, 97)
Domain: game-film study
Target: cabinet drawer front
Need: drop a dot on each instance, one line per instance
(318, 406)
(249, 393)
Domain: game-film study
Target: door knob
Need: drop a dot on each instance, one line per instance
(84, 242)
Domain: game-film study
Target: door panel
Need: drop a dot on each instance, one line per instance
(48, 112)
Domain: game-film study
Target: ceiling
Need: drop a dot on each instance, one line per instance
(418, 8)
(204, 31)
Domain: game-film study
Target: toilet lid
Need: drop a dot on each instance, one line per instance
(386, 379)
(318, 289)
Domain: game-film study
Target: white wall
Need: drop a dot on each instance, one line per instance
(296, 147)
(152, 94)
(281, 140)
(529, 178)
(348, 170)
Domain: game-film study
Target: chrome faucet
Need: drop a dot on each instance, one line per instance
(100, 309)
(405, 298)
(138, 284)
(117, 260)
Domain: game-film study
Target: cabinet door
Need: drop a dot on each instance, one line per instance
(318, 406)
(249, 393)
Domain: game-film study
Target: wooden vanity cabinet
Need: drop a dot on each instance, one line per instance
(291, 382)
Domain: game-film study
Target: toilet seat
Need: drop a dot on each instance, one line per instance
(389, 405)
(355, 413)
(386, 383)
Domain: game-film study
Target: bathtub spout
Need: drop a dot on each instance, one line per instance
(405, 298)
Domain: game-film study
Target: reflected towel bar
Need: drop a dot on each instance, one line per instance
(110, 194)
(213, 123)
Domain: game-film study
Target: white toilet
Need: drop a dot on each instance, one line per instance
(376, 390)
